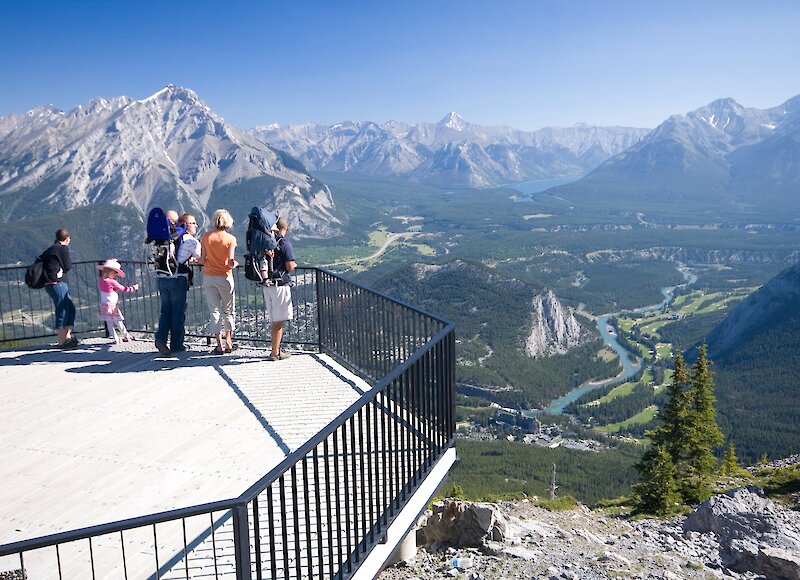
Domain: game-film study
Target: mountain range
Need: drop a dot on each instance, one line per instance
(167, 150)
(721, 153)
(450, 152)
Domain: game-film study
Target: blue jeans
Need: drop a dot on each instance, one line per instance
(65, 309)
(174, 292)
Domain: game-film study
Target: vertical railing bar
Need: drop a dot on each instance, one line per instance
(318, 514)
(329, 505)
(307, 515)
(366, 472)
(155, 548)
(348, 527)
(388, 476)
(257, 538)
(124, 559)
(296, 516)
(336, 462)
(185, 550)
(271, 516)
(359, 492)
(214, 544)
(284, 527)
(58, 562)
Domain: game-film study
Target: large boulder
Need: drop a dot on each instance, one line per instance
(754, 534)
(463, 524)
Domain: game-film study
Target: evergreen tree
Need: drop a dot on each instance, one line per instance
(704, 433)
(657, 492)
(730, 464)
(674, 429)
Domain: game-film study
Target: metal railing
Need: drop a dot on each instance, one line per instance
(27, 315)
(321, 511)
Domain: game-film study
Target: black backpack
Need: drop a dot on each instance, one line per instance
(260, 241)
(34, 275)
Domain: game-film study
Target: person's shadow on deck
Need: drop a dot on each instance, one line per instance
(107, 361)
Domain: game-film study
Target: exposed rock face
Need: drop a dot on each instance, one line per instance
(582, 544)
(554, 329)
(754, 535)
(169, 149)
(463, 524)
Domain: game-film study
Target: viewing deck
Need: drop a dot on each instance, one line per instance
(116, 431)
(121, 463)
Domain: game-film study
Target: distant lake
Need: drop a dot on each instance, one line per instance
(541, 184)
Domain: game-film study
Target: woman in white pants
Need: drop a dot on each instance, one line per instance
(217, 249)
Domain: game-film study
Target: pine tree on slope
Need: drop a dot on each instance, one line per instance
(704, 433)
(657, 492)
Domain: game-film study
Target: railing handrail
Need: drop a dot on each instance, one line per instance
(382, 295)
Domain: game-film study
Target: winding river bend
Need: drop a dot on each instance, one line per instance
(629, 367)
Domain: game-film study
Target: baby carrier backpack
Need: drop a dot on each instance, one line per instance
(261, 243)
(165, 238)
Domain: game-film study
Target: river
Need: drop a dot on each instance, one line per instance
(629, 367)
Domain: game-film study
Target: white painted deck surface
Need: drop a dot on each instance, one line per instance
(107, 432)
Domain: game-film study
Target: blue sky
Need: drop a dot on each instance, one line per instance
(526, 64)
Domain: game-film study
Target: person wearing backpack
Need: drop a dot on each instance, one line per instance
(278, 295)
(173, 288)
(56, 264)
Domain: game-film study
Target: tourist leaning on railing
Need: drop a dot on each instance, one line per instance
(57, 263)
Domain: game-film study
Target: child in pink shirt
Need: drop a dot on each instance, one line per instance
(109, 299)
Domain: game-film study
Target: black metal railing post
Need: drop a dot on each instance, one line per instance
(241, 542)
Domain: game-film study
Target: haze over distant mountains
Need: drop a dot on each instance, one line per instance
(168, 150)
(452, 151)
(722, 152)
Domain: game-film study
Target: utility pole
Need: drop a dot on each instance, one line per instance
(553, 485)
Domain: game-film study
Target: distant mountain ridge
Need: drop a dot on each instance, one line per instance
(452, 151)
(169, 149)
(722, 152)
(756, 357)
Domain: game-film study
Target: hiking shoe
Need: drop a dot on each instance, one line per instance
(162, 348)
(280, 356)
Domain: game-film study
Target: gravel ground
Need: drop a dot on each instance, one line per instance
(576, 545)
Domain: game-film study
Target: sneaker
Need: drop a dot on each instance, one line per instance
(282, 355)
(69, 343)
(162, 348)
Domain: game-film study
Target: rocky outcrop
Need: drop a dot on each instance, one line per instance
(554, 329)
(462, 524)
(521, 540)
(754, 535)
